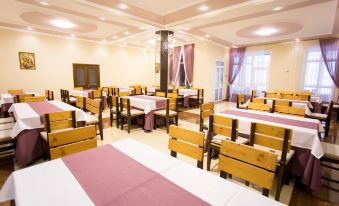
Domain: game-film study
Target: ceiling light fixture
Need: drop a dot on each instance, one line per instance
(277, 8)
(123, 6)
(203, 8)
(62, 23)
(104, 40)
(266, 31)
(30, 28)
(72, 35)
(126, 33)
(44, 3)
(103, 18)
(297, 40)
(114, 37)
(187, 29)
(207, 36)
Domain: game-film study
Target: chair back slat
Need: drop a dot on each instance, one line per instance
(93, 106)
(172, 104)
(21, 97)
(160, 94)
(59, 120)
(281, 102)
(248, 163)
(290, 110)
(15, 91)
(78, 88)
(96, 94)
(259, 107)
(225, 126)
(172, 95)
(273, 95)
(33, 99)
(258, 100)
(80, 102)
(123, 94)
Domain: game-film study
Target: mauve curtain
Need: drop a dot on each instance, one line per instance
(175, 66)
(330, 52)
(188, 62)
(237, 56)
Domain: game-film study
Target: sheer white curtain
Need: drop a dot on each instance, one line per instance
(253, 74)
(316, 76)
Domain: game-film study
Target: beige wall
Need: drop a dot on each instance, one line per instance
(54, 57)
(205, 56)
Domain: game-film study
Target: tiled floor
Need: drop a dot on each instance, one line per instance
(158, 139)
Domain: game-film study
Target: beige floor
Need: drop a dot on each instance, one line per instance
(158, 139)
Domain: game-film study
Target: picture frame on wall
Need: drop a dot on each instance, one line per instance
(27, 61)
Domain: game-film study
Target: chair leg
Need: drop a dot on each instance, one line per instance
(279, 182)
(129, 124)
(101, 130)
(167, 124)
(117, 120)
(155, 122)
(223, 174)
(209, 153)
(265, 192)
(200, 164)
(122, 122)
(176, 120)
(111, 118)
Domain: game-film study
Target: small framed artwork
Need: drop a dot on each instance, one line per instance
(27, 60)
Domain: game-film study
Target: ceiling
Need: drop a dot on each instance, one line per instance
(134, 22)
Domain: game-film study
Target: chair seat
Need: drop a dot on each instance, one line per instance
(163, 113)
(331, 150)
(44, 134)
(93, 119)
(4, 134)
(97, 99)
(6, 126)
(72, 99)
(134, 112)
(6, 120)
(217, 139)
(318, 116)
(278, 152)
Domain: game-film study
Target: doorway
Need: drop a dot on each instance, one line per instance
(219, 80)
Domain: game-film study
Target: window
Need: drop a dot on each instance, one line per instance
(86, 76)
(253, 74)
(316, 76)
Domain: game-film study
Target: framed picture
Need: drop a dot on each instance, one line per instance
(27, 60)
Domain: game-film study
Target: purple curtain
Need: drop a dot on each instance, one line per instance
(237, 56)
(189, 62)
(175, 66)
(330, 52)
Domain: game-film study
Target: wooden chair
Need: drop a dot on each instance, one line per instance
(258, 100)
(187, 142)
(199, 99)
(106, 90)
(259, 107)
(253, 93)
(33, 99)
(248, 163)
(113, 89)
(95, 108)
(65, 97)
(160, 94)
(241, 101)
(137, 91)
(276, 140)
(78, 88)
(96, 95)
(296, 111)
(72, 141)
(80, 103)
(123, 94)
(20, 98)
(206, 110)
(15, 91)
(221, 128)
(171, 111)
(57, 121)
(272, 95)
(126, 113)
(330, 160)
(49, 94)
(324, 118)
(114, 109)
(281, 102)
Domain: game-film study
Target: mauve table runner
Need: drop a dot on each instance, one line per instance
(129, 182)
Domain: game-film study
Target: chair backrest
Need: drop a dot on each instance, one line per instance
(206, 110)
(137, 90)
(272, 95)
(304, 97)
(259, 107)
(144, 90)
(175, 91)
(200, 93)
(282, 102)
(15, 91)
(49, 94)
(72, 141)
(113, 90)
(96, 94)
(240, 99)
(187, 142)
(80, 102)
(33, 99)
(172, 95)
(94, 106)
(248, 163)
(224, 126)
(329, 110)
(21, 97)
(106, 90)
(277, 138)
(114, 102)
(259, 100)
(171, 104)
(160, 94)
(297, 111)
(59, 120)
(78, 88)
(254, 93)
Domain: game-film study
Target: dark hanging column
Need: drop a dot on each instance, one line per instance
(164, 48)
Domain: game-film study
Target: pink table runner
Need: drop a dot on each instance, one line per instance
(109, 177)
(42, 108)
(279, 120)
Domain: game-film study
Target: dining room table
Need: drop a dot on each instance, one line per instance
(29, 123)
(7, 99)
(148, 104)
(305, 140)
(187, 94)
(125, 172)
(88, 94)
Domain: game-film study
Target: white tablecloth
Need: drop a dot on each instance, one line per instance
(81, 93)
(6, 98)
(52, 183)
(145, 104)
(188, 92)
(316, 99)
(301, 137)
(295, 103)
(27, 118)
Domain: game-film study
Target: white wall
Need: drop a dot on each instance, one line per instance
(54, 57)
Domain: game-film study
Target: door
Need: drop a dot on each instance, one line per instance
(86, 76)
(219, 80)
